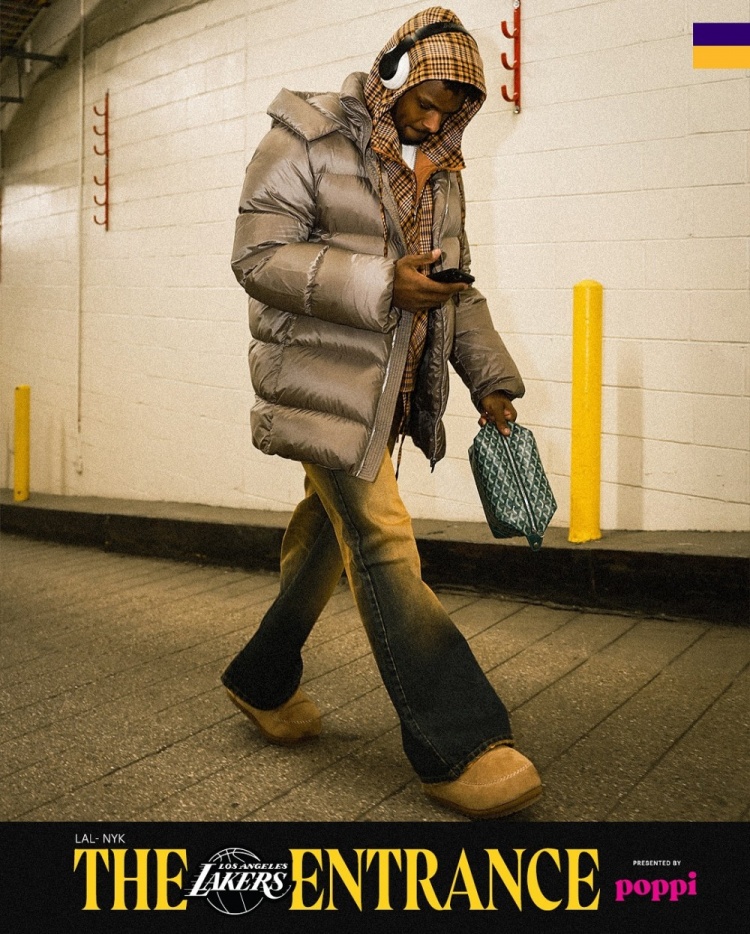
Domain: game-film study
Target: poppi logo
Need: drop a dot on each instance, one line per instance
(656, 889)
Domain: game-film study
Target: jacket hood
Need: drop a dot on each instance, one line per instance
(444, 57)
(310, 115)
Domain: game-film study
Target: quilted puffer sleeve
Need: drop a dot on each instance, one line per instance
(479, 355)
(278, 263)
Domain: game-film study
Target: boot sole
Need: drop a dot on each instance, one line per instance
(500, 810)
(271, 737)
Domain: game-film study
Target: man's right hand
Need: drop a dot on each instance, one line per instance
(414, 291)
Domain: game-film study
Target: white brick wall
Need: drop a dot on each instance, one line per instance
(625, 165)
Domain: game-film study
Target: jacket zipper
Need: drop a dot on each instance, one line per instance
(397, 357)
(389, 205)
(382, 393)
(442, 397)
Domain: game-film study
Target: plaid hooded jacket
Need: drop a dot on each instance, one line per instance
(446, 56)
(321, 225)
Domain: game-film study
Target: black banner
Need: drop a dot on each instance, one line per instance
(382, 877)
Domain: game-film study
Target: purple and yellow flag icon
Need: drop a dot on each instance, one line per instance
(721, 45)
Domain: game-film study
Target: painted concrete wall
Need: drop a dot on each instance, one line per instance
(625, 165)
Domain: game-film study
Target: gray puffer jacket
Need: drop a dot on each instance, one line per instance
(329, 347)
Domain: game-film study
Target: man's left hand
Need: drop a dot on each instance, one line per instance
(498, 408)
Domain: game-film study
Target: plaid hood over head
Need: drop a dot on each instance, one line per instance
(451, 56)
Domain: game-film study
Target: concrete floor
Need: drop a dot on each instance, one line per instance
(112, 707)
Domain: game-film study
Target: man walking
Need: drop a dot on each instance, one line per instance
(351, 200)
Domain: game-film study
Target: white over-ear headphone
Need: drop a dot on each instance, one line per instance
(394, 65)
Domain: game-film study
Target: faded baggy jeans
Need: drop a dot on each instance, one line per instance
(448, 710)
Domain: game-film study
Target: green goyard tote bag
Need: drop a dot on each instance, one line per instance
(512, 484)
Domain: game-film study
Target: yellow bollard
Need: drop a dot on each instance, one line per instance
(21, 444)
(585, 446)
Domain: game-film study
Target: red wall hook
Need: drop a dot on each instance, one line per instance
(515, 67)
(103, 131)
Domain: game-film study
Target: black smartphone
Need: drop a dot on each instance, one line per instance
(451, 275)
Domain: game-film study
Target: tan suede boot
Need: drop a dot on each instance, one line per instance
(294, 722)
(499, 782)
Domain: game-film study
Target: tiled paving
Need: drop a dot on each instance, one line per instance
(112, 707)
